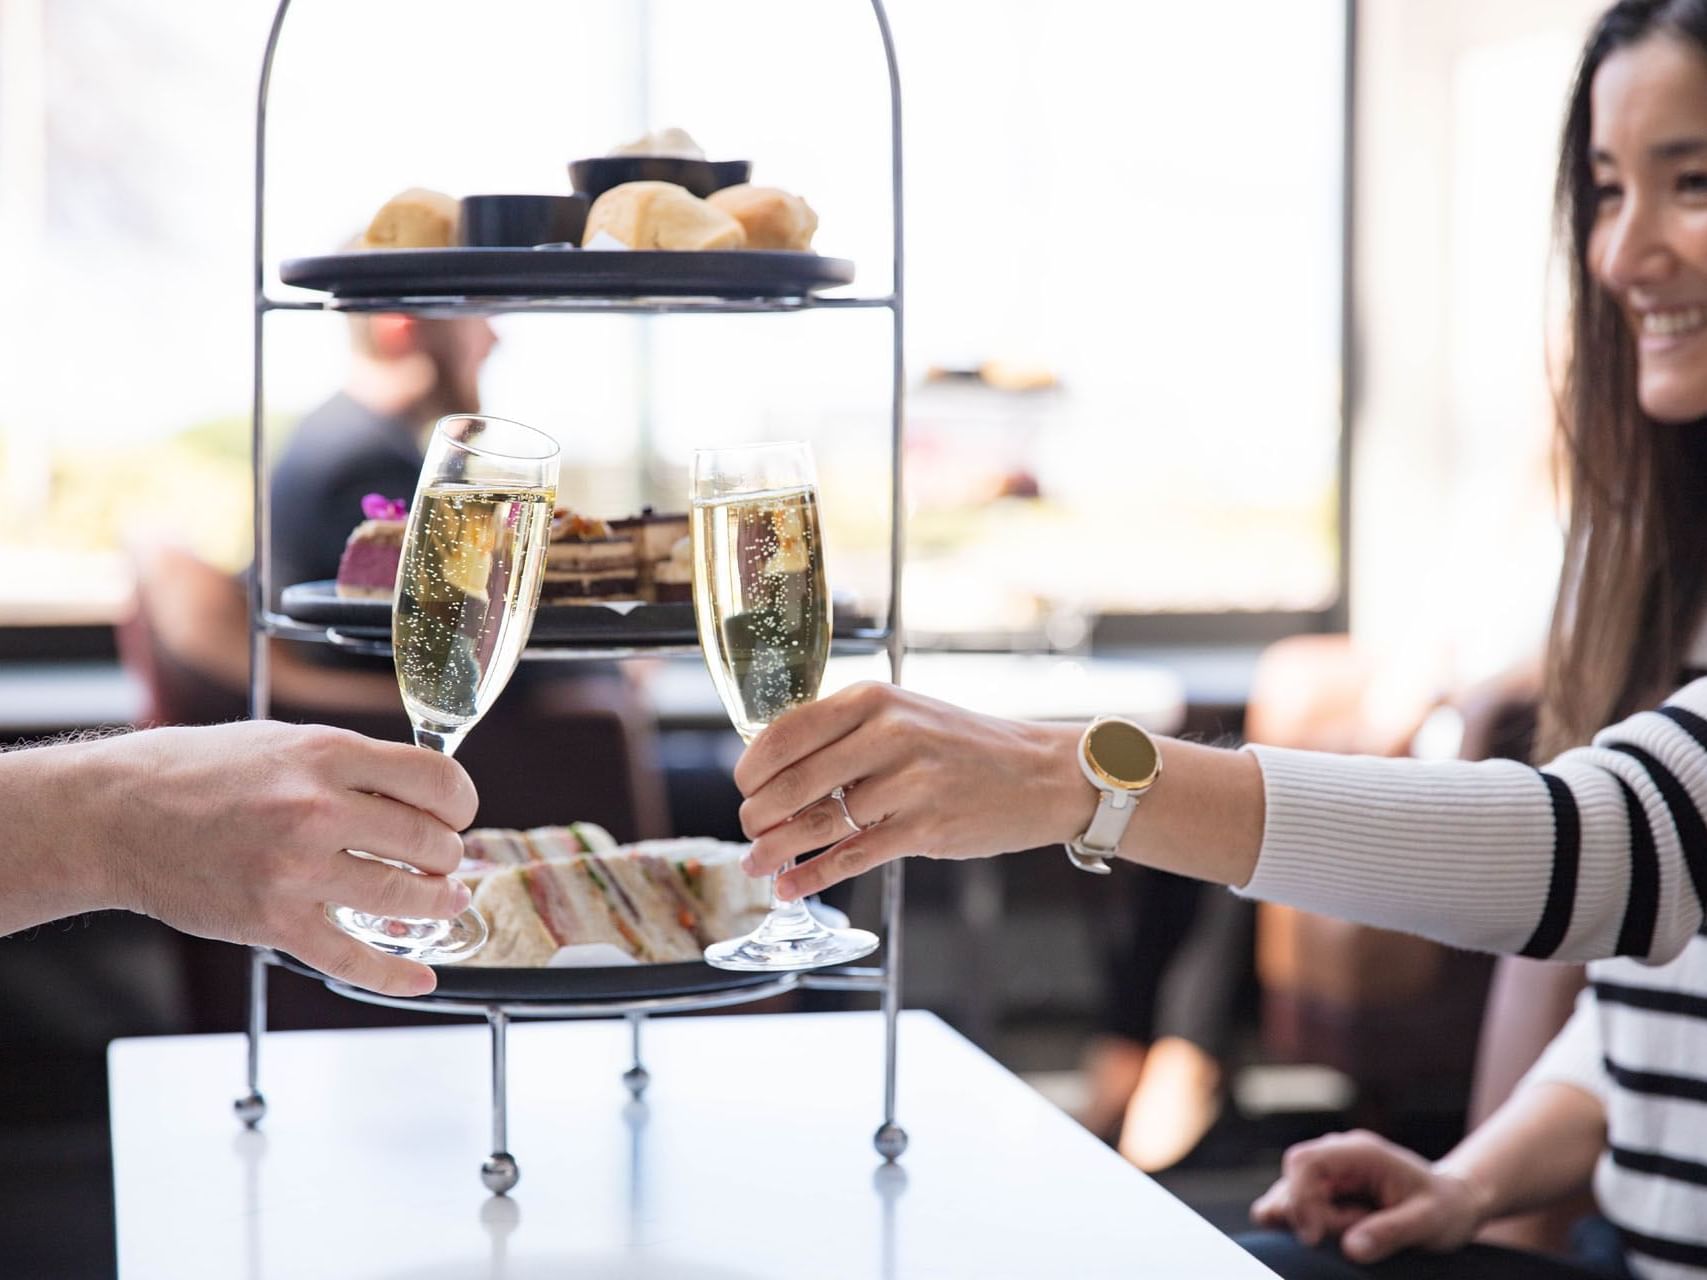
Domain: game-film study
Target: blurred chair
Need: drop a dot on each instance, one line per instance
(1400, 1015)
(552, 750)
(1403, 1016)
(1528, 1003)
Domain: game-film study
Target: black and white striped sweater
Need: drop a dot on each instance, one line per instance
(1601, 853)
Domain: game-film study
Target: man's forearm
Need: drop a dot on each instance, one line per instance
(1499, 1159)
(49, 863)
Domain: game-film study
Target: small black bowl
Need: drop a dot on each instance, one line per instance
(592, 178)
(520, 222)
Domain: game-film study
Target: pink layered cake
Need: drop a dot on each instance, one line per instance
(368, 568)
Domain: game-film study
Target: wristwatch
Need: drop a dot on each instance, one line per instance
(1120, 759)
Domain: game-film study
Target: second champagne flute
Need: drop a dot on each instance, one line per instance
(763, 610)
(467, 591)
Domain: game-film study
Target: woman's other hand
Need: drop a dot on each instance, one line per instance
(1377, 1197)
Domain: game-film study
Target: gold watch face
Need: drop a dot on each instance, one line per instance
(1122, 755)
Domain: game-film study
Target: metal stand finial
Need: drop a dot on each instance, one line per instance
(251, 1107)
(637, 1077)
(500, 1172)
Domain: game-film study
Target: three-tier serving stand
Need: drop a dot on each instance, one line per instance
(500, 1171)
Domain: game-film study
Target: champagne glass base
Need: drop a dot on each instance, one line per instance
(781, 951)
(428, 941)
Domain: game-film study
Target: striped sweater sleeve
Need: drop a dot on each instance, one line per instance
(1602, 852)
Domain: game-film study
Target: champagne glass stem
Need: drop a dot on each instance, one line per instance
(785, 917)
(432, 941)
(444, 741)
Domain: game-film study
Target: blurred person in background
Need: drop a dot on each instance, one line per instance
(406, 372)
(1602, 853)
(189, 638)
(1177, 974)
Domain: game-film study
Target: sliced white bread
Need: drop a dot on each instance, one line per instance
(660, 901)
(487, 849)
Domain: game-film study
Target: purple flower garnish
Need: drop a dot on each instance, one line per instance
(376, 506)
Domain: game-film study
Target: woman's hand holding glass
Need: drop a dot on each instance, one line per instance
(923, 777)
(919, 777)
(762, 605)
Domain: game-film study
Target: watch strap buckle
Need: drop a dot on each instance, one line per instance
(1085, 860)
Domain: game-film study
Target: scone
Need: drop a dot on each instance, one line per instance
(414, 219)
(661, 215)
(772, 218)
(662, 142)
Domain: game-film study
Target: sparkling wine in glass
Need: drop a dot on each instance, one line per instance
(467, 590)
(763, 612)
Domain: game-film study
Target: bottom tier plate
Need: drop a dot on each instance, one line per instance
(549, 986)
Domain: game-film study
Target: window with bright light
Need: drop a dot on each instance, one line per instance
(1123, 278)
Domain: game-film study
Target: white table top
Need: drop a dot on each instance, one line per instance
(49, 697)
(750, 1159)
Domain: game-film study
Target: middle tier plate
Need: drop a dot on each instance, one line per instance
(598, 623)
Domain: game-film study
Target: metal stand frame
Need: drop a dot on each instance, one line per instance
(500, 1171)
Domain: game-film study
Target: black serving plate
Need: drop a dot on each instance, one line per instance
(558, 272)
(592, 624)
(571, 986)
(595, 625)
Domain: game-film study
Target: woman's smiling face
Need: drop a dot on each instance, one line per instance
(1648, 246)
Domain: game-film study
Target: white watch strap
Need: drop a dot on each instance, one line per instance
(1091, 851)
(1114, 811)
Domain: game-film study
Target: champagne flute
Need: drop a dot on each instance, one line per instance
(467, 590)
(763, 611)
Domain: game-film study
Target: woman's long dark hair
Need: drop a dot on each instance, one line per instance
(1635, 571)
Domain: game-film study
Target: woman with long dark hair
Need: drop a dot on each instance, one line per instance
(1601, 853)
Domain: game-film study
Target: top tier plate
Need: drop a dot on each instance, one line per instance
(573, 273)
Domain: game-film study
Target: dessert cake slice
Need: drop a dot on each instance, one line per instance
(654, 533)
(587, 561)
(655, 536)
(368, 568)
(672, 578)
